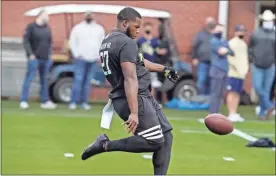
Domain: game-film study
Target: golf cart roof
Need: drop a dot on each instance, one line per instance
(96, 8)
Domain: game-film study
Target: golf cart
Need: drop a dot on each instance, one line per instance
(62, 71)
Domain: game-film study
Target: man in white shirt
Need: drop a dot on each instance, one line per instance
(85, 41)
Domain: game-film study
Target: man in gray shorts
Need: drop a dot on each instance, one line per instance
(129, 75)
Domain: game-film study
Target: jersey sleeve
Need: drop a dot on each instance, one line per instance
(128, 52)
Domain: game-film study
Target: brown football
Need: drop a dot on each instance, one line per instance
(218, 124)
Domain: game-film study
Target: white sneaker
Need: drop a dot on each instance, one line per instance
(24, 105)
(240, 118)
(72, 106)
(86, 106)
(236, 118)
(48, 105)
(257, 110)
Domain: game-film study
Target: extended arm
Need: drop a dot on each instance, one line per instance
(169, 73)
(152, 67)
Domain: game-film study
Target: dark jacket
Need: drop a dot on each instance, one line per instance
(164, 59)
(261, 48)
(201, 46)
(38, 41)
(220, 61)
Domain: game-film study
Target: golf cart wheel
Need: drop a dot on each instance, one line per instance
(185, 90)
(62, 90)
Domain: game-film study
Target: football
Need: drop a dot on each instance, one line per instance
(218, 124)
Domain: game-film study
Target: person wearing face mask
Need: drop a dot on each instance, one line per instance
(163, 58)
(219, 68)
(148, 45)
(238, 68)
(37, 43)
(201, 55)
(261, 51)
(85, 41)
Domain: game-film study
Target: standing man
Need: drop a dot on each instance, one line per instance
(201, 55)
(128, 73)
(238, 68)
(163, 58)
(85, 41)
(38, 46)
(219, 68)
(261, 50)
(148, 46)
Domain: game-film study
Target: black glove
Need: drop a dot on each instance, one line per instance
(171, 74)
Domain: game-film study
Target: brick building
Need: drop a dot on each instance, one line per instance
(187, 18)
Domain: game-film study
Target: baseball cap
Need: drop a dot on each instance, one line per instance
(87, 13)
(240, 28)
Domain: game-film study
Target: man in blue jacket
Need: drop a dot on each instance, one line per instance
(219, 68)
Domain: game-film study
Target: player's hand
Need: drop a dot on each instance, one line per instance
(171, 74)
(132, 123)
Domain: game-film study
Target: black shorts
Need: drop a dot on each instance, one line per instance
(152, 121)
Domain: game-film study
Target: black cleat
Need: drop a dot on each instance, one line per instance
(95, 148)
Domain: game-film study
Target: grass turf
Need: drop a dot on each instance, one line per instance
(34, 142)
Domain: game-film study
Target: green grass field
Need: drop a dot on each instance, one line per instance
(34, 142)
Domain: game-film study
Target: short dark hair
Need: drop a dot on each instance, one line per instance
(147, 24)
(129, 14)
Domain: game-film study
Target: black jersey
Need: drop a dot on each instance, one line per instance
(117, 47)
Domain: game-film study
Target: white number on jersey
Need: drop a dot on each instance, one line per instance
(104, 59)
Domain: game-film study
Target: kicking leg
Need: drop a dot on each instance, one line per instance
(148, 135)
(133, 144)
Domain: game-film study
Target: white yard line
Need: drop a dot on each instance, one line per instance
(228, 159)
(195, 131)
(244, 135)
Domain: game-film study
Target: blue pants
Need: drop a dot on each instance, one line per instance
(84, 72)
(218, 86)
(43, 67)
(262, 82)
(203, 78)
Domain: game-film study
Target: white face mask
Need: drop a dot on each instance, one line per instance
(268, 24)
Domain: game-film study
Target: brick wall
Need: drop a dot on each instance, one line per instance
(187, 18)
